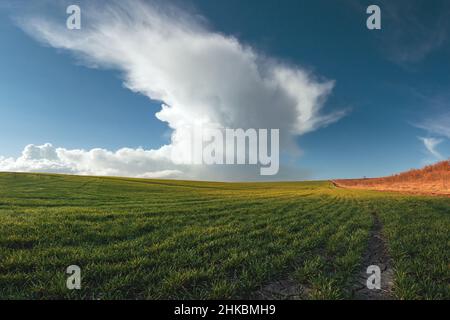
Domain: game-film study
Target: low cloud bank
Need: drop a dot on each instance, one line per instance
(202, 78)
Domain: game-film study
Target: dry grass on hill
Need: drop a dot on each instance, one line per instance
(432, 179)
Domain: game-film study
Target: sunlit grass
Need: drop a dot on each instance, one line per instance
(157, 239)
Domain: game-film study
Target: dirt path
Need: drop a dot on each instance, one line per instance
(376, 254)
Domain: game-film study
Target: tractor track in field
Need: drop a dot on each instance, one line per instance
(285, 288)
(376, 254)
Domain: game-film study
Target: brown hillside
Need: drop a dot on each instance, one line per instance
(432, 179)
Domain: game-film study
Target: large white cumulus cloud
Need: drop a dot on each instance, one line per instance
(201, 77)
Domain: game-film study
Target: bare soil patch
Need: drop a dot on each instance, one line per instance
(286, 289)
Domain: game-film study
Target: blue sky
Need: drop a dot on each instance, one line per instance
(393, 83)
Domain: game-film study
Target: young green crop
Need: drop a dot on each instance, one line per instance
(159, 239)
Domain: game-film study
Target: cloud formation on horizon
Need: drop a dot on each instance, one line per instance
(124, 162)
(202, 78)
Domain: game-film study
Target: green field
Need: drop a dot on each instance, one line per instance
(159, 239)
